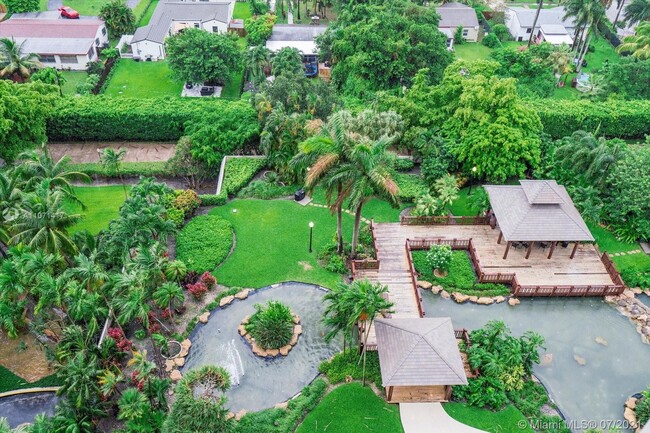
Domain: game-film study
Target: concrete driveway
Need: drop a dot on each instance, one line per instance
(430, 418)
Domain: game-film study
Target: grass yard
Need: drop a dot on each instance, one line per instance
(102, 204)
(143, 80)
(232, 90)
(144, 11)
(272, 243)
(504, 421)
(242, 10)
(378, 209)
(461, 206)
(472, 51)
(84, 7)
(608, 242)
(72, 80)
(352, 408)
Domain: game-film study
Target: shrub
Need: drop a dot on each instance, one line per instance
(87, 87)
(240, 171)
(214, 199)
(458, 36)
(20, 6)
(198, 290)
(208, 279)
(265, 190)
(410, 187)
(204, 242)
(404, 164)
(491, 41)
(187, 201)
(346, 364)
(439, 257)
(272, 325)
(501, 32)
(642, 409)
(259, 28)
(177, 216)
(336, 264)
(634, 278)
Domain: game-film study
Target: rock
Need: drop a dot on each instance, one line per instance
(248, 338)
(242, 330)
(485, 301)
(175, 375)
(513, 301)
(647, 292)
(445, 294)
(169, 365)
(297, 330)
(294, 340)
(631, 403)
(239, 415)
(473, 299)
(636, 290)
(185, 348)
(611, 299)
(246, 320)
(230, 416)
(281, 405)
(179, 362)
(424, 285)
(296, 319)
(243, 294)
(580, 360)
(642, 318)
(227, 300)
(272, 352)
(257, 350)
(628, 293)
(284, 350)
(630, 417)
(646, 330)
(460, 298)
(622, 303)
(499, 299)
(436, 289)
(203, 318)
(547, 359)
(601, 341)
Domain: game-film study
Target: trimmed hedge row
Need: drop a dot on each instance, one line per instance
(622, 119)
(127, 169)
(240, 171)
(104, 118)
(411, 186)
(214, 199)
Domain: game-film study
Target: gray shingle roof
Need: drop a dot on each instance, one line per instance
(555, 15)
(296, 32)
(537, 210)
(168, 11)
(454, 14)
(419, 352)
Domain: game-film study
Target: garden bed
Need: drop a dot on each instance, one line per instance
(204, 242)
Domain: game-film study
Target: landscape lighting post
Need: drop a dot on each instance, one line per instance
(470, 181)
(311, 235)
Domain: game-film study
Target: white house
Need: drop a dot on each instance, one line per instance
(555, 34)
(60, 43)
(520, 22)
(170, 17)
(454, 15)
(299, 36)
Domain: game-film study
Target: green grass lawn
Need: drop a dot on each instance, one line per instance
(143, 80)
(144, 11)
(232, 90)
(84, 7)
(10, 381)
(607, 242)
(272, 243)
(378, 209)
(102, 204)
(461, 206)
(352, 409)
(472, 51)
(504, 421)
(72, 80)
(242, 10)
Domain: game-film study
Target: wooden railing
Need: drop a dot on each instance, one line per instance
(598, 290)
(418, 298)
(444, 220)
(425, 244)
(611, 269)
(462, 334)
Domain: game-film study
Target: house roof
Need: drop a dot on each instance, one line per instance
(556, 34)
(48, 46)
(50, 28)
(537, 210)
(419, 352)
(455, 14)
(169, 11)
(301, 37)
(555, 15)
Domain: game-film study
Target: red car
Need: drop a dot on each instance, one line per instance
(68, 12)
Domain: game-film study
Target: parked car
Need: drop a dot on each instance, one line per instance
(68, 12)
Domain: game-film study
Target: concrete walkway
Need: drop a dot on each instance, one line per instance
(430, 418)
(84, 152)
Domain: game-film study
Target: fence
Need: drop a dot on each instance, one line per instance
(462, 334)
(367, 264)
(445, 220)
(418, 298)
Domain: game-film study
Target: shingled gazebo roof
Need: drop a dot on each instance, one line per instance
(419, 352)
(537, 210)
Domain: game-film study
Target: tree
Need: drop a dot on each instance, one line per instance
(447, 189)
(183, 163)
(15, 64)
(287, 61)
(111, 160)
(50, 76)
(279, 141)
(338, 316)
(119, 18)
(588, 13)
(560, 59)
(531, 67)
(197, 56)
(257, 60)
(79, 380)
(458, 36)
(132, 405)
(259, 28)
(21, 6)
(629, 78)
(639, 44)
(637, 11)
(167, 294)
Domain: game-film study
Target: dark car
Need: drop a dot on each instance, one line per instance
(68, 12)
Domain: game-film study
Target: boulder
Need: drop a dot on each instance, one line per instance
(646, 330)
(282, 405)
(436, 289)
(243, 294)
(580, 360)
(203, 318)
(601, 341)
(424, 285)
(227, 300)
(547, 359)
(248, 338)
(246, 320)
(499, 299)
(296, 319)
(185, 348)
(460, 298)
(513, 301)
(175, 375)
(485, 301)
(169, 365)
(473, 299)
(230, 416)
(636, 290)
(628, 293)
(647, 292)
(272, 352)
(179, 362)
(630, 417)
(284, 350)
(445, 294)
(297, 330)
(257, 350)
(242, 330)
(239, 415)
(631, 403)
(294, 340)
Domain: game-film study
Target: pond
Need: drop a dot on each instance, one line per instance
(260, 383)
(645, 299)
(593, 392)
(23, 408)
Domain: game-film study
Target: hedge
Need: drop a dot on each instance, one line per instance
(240, 171)
(127, 169)
(411, 186)
(214, 199)
(204, 242)
(104, 118)
(622, 119)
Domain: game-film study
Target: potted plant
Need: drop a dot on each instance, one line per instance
(439, 257)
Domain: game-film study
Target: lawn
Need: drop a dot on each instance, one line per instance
(10, 382)
(461, 206)
(504, 421)
(143, 80)
(232, 90)
(352, 408)
(378, 209)
(102, 204)
(272, 243)
(472, 51)
(242, 10)
(144, 11)
(72, 80)
(607, 242)
(84, 7)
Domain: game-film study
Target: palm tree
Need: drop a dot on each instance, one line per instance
(132, 304)
(637, 11)
(111, 160)
(338, 317)
(167, 294)
(156, 389)
(560, 60)
(88, 271)
(14, 63)
(141, 364)
(639, 44)
(540, 5)
(132, 404)
(176, 270)
(287, 61)
(109, 382)
(590, 14)
(79, 380)
(257, 60)
(447, 189)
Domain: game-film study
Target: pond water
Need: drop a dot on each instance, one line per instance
(260, 383)
(645, 299)
(593, 392)
(23, 408)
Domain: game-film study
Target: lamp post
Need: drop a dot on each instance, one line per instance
(311, 235)
(470, 181)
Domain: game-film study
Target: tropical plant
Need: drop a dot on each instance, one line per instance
(447, 189)
(560, 59)
(167, 294)
(439, 257)
(637, 11)
(257, 60)
(79, 380)
(109, 381)
(586, 14)
(427, 205)
(119, 18)
(50, 76)
(339, 314)
(132, 405)
(287, 61)
(176, 270)
(15, 64)
(639, 44)
(111, 160)
(271, 325)
(642, 409)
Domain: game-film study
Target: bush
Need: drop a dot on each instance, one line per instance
(439, 257)
(336, 264)
(271, 325)
(259, 28)
(642, 409)
(501, 32)
(346, 364)
(491, 41)
(197, 290)
(240, 171)
(127, 169)
(88, 86)
(214, 199)
(403, 164)
(20, 6)
(410, 187)
(266, 191)
(186, 200)
(634, 278)
(204, 242)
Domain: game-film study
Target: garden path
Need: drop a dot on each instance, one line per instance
(430, 418)
(86, 152)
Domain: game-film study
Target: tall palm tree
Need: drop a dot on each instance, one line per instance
(88, 271)
(132, 303)
(167, 294)
(586, 13)
(447, 189)
(338, 317)
(79, 380)
(639, 44)
(540, 5)
(637, 11)
(111, 160)
(14, 63)
(257, 60)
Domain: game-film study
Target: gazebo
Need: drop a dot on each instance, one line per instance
(419, 359)
(537, 211)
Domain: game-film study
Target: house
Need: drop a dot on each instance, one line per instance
(171, 17)
(555, 34)
(520, 22)
(302, 38)
(60, 43)
(454, 15)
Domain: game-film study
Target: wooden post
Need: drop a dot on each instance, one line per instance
(550, 253)
(500, 237)
(575, 248)
(505, 255)
(530, 248)
(390, 393)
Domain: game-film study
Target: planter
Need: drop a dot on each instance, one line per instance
(271, 353)
(173, 350)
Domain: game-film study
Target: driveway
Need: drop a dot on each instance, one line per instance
(430, 418)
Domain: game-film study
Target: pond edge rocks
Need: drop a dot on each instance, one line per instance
(629, 413)
(271, 353)
(461, 297)
(639, 313)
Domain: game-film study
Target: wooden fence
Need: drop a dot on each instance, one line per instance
(367, 264)
(418, 298)
(462, 334)
(445, 220)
